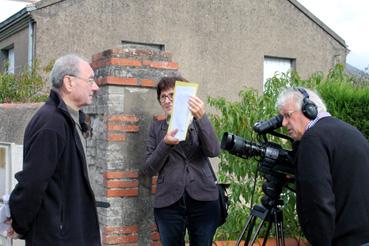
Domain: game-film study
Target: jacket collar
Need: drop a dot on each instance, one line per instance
(55, 98)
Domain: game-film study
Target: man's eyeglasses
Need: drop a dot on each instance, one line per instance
(288, 115)
(88, 80)
(164, 97)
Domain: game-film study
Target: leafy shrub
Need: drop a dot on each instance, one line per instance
(345, 100)
(24, 87)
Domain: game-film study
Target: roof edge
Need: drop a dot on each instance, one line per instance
(315, 19)
(19, 15)
(16, 22)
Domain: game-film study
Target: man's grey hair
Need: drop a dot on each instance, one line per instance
(293, 93)
(65, 65)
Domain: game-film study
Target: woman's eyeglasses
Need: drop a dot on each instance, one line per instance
(163, 97)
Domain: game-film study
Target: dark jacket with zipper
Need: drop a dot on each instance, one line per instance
(53, 203)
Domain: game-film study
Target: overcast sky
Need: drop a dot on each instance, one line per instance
(8, 8)
(348, 18)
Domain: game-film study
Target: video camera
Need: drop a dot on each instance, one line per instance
(276, 163)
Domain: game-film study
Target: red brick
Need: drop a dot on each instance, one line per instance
(123, 118)
(161, 64)
(115, 61)
(106, 54)
(122, 193)
(120, 239)
(120, 184)
(148, 83)
(120, 229)
(153, 189)
(124, 128)
(120, 174)
(117, 81)
(156, 244)
(116, 137)
(124, 62)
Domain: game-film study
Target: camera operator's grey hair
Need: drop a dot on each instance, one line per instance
(293, 93)
(65, 65)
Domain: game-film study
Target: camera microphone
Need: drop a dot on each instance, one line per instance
(266, 126)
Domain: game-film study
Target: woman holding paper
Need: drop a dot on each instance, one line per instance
(187, 196)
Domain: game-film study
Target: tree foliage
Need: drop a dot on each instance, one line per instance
(24, 87)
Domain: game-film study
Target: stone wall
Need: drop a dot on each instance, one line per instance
(14, 118)
(120, 115)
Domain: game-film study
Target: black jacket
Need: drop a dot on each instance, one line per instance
(53, 203)
(333, 184)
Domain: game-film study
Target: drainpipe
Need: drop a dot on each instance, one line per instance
(30, 45)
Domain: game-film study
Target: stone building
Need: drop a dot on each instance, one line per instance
(223, 45)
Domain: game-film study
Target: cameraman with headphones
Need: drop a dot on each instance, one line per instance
(332, 171)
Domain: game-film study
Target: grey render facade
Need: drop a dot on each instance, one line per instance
(220, 44)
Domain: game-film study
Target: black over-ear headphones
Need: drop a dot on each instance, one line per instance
(309, 109)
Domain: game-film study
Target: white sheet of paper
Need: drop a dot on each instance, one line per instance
(181, 116)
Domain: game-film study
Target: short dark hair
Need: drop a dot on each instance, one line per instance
(167, 82)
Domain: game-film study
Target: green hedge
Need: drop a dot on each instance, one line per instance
(347, 102)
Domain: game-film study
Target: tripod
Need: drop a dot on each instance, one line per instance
(272, 215)
(268, 212)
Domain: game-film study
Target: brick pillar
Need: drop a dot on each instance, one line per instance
(120, 115)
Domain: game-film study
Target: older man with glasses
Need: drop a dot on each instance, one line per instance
(53, 203)
(332, 171)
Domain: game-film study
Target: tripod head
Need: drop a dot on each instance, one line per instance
(274, 183)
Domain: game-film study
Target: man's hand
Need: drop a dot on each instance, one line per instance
(170, 139)
(196, 107)
(10, 232)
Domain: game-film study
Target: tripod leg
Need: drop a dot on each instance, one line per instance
(258, 230)
(256, 212)
(267, 233)
(278, 221)
(249, 226)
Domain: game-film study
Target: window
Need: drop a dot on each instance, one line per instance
(8, 59)
(11, 60)
(275, 65)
